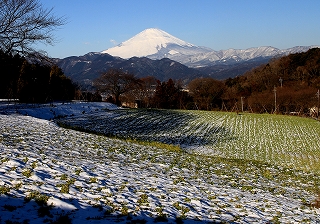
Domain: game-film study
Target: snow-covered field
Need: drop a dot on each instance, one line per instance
(48, 174)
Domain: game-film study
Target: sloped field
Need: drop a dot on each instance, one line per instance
(50, 174)
(232, 168)
(280, 140)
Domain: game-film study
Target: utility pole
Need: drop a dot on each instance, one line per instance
(275, 98)
(318, 96)
(280, 80)
(242, 103)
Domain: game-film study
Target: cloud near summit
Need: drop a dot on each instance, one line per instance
(114, 42)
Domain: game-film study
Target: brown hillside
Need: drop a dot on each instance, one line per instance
(287, 84)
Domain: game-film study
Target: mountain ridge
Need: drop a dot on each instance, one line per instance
(85, 68)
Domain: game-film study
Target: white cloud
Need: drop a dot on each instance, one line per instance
(114, 42)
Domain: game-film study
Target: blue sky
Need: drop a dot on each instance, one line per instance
(94, 26)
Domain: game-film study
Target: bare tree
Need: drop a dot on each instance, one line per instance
(116, 83)
(206, 92)
(146, 91)
(24, 23)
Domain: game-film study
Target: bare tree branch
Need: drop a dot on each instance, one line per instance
(24, 23)
(116, 82)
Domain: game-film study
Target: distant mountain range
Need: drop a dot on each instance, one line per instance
(157, 44)
(154, 52)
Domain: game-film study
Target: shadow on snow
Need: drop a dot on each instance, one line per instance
(166, 126)
(18, 210)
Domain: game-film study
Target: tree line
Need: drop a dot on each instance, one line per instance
(123, 88)
(284, 85)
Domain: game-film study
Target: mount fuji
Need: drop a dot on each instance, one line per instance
(157, 44)
(154, 44)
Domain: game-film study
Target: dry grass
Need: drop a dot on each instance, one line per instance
(316, 202)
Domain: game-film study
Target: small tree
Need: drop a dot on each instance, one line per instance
(146, 91)
(116, 82)
(167, 95)
(60, 86)
(9, 73)
(206, 92)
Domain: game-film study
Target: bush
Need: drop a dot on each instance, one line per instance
(40, 199)
(4, 190)
(27, 173)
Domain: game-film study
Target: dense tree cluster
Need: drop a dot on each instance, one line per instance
(29, 82)
(170, 95)
(123, 88)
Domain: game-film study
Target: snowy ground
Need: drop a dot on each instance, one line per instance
(56, 110)
(48, 174)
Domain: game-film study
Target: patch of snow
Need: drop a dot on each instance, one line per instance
(172, 52)
(55, 110)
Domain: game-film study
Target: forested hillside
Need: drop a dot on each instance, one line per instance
(286, 84)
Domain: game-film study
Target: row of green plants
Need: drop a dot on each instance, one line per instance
(281, 140)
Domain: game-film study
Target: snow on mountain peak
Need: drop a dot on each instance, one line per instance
(147, 42)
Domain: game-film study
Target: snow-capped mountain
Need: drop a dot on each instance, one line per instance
(157, 44)
(232, 56)
(229, 56)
